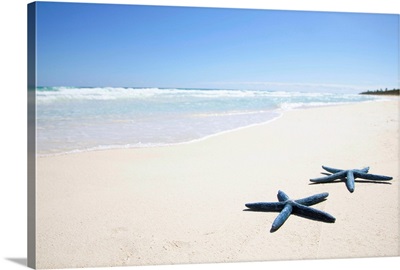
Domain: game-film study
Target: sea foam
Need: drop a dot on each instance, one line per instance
(71, 119)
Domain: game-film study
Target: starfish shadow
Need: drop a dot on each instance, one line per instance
(372, 182)
(355, 180)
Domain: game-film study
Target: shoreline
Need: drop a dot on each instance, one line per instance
(127, 147)
(278, 111)
(184, 203)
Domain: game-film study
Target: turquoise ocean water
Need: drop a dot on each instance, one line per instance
(71, 119)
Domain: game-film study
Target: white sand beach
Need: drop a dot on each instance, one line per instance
(184, 203)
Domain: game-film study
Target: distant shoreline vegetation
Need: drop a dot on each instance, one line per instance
(382, 92)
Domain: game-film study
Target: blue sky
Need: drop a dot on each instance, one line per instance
(150, 46)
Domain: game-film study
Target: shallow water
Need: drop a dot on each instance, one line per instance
(81, 119)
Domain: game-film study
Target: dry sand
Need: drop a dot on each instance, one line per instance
(184, 203)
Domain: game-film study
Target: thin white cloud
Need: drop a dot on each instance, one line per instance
(298, 86)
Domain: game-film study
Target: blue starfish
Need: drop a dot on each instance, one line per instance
(349, 176)
(286, 206)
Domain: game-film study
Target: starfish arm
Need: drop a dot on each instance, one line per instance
(372, 176)
(265, 206)
(314, 199)
(312, 213)
(329, 178)
(282, 196)
(350, 181)
(282, 217)
(331, 170)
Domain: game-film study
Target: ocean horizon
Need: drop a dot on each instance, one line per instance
(73, 119)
